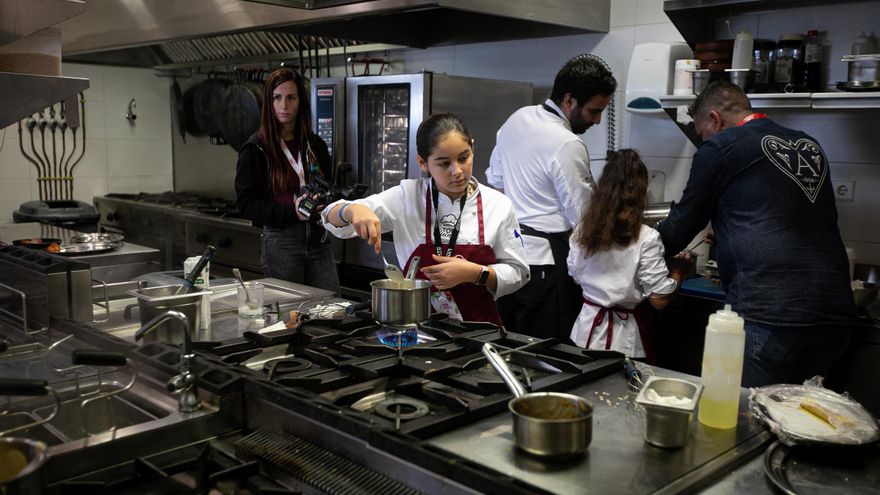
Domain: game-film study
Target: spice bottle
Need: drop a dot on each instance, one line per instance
(722, 369)
(812, 61)
(789, 73)
(764, 64)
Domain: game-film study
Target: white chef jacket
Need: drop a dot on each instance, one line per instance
(623, 277)
(402, 209)
(544, 168)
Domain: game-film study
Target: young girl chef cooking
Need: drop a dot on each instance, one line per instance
(465, 234)
(618, 261)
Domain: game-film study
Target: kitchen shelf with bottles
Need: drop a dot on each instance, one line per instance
(806, 101)
(837, 100)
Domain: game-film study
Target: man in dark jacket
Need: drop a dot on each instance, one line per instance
(767, 191)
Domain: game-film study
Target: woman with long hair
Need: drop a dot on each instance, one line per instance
(464, 233)
(618, 261)
(274, 167)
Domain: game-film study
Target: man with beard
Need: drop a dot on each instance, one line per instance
(543, 166)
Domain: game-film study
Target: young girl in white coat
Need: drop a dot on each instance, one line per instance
(465, 234)
(618, 261)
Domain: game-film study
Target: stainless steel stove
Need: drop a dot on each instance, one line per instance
(418, 381)
(181, 225)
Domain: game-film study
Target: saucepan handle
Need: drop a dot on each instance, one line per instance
(500, 365)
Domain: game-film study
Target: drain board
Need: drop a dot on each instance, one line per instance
(314, 465)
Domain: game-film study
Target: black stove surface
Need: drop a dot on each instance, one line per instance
(421, 380)
(185, 200)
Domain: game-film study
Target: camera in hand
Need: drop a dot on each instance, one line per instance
(320, 193)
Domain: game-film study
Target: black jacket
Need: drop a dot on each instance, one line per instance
(253, 195)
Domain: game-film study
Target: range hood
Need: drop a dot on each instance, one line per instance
(118, 31)
(22, 95)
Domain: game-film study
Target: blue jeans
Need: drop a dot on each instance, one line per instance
(777, 354)
(299, 253)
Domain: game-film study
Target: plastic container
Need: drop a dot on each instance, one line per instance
(744, 78)
(813, 61)
(742, 51)
(701, 79)
(683, 81)
(789, 73)
(722, 369)
(764, 63)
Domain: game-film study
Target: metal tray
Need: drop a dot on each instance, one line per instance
(95, 237)
(83, 248)
(823, 470)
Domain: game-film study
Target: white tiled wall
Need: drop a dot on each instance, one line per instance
(119, 156)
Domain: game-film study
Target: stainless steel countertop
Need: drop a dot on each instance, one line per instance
(618, 460)
(225, 322)
(127, 253)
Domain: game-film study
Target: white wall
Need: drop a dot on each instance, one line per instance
(119, 157)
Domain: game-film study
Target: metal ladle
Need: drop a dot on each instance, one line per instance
(247, 295)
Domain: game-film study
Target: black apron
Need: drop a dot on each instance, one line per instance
(548, 305)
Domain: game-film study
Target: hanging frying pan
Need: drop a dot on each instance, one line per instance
(209, 104)
(189, 114)
(177, 100)
(241, 117)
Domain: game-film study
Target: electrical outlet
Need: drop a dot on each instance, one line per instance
(844, 190)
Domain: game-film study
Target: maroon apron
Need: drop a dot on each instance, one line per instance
(475, 302)
(639, 313)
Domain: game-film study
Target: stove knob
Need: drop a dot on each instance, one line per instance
(201, 237)
(147, 222)
(224, 242)
(111, 216)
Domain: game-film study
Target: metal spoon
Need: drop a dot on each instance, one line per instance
(392, 271)
(247, 295)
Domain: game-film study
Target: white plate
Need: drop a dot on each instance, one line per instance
(781, 406)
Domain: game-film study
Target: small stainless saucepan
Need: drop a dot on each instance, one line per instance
(546, 424)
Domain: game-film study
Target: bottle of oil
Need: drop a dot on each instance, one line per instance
(722, 369)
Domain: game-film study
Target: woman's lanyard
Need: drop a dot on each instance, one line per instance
(453, 237)
(296, 164)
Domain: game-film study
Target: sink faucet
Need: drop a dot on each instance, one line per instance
(183, 384)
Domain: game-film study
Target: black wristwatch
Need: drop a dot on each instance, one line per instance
(484, 276)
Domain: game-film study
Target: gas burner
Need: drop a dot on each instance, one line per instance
(403, 338)
(282, 366)
(401, 407)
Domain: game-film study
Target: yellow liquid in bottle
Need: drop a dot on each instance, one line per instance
(718, 414)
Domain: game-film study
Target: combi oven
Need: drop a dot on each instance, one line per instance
(382, 115)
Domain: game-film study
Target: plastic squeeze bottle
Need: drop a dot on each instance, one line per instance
(722, 369)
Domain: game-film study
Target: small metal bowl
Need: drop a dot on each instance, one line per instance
(668, 425)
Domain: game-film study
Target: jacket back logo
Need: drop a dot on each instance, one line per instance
(802, 161)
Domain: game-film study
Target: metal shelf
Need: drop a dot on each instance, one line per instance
(863, 100)
(25, 94)
(19, 18)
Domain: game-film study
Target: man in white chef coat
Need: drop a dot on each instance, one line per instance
(543, 166)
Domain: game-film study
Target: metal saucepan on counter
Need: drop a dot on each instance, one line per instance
(546, 424)
(403, 302)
